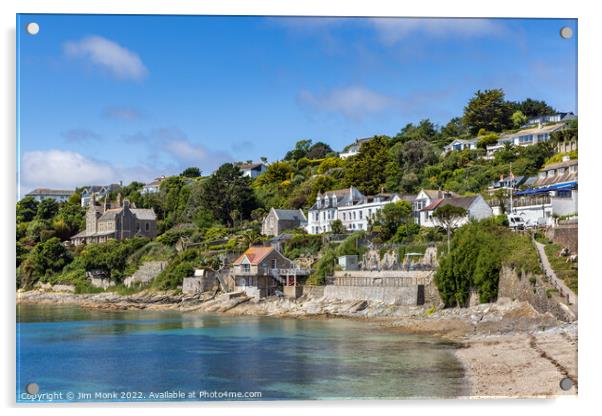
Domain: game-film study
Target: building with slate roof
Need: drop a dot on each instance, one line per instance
(279, 220)
(476, 208)
(116, 221)
(58, 195)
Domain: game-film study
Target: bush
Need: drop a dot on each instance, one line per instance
(478, 252)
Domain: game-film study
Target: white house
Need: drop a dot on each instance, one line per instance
(354, 148)
(99, 191)
(553, 194)
(461, 144)
(252, 170)
(355, 216)
(524, 137)
(325, 210)
(154, 186)
(58, 195)
(425, 197)
(552, 118)
(476, 207)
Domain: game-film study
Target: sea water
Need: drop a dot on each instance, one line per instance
(75, 354)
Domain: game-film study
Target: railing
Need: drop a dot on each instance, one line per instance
(525, 202)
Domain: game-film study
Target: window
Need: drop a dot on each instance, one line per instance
(274, 265)
(246, 268)
(147, 226)
(361, 212)
(344, 216)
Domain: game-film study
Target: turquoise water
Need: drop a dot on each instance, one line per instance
(74, 354)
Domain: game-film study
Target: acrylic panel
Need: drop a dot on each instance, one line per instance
(237, 208)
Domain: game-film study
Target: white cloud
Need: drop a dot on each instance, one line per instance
(354, 101)
(114, 58)
(63, 169)
(392, 29)
(183, 152)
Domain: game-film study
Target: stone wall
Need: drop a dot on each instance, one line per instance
(199, 284)
(533, 289)
(101, 282)
(390, 295)
(565, 234)
(145, 273)
(313, 291)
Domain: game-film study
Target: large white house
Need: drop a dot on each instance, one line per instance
(325, 210)
(524, 137)
(476, 208)
(350, 206)
(59, 195)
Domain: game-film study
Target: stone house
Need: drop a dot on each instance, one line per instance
(279, 220)
(118, 221)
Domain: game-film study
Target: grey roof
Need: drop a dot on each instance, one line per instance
(289, 214)
(98, 234)
(140, 213)
(54, 192)
(462, 201)
(144, 213)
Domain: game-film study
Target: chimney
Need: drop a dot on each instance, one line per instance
(126, 204)
(93, 198)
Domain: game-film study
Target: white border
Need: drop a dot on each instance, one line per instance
(590, 152)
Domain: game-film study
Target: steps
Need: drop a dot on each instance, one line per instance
(146, 273)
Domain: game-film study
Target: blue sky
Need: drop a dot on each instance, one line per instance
(109, 98)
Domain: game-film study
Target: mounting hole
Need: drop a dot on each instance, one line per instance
(32, 388)
(32, 28)
(566, 32)
(566, 383)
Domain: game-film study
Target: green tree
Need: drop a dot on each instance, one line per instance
(47, 209)
(192, 172)
(318, 150)
(301, 150)
(448, 217)
(366, 169)
(227, 190)
(488, 110)
(518, 119)
(489, 139)
(26, 209)
(392, 216)
(533, 108)
(337, 227)
(44, 259)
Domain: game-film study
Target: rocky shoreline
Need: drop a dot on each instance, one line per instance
(508, 348)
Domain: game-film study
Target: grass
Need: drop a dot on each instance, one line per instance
(520, 253)
(566, 271)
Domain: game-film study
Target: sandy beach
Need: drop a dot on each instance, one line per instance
(508, 349)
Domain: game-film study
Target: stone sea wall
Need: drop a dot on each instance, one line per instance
(533, 289)
(391, 295)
